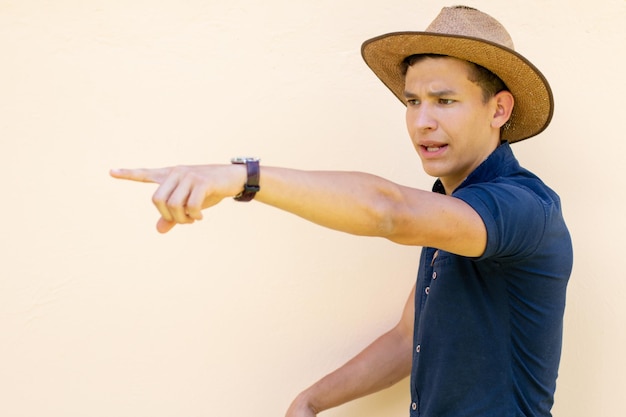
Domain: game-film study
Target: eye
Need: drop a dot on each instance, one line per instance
(446, 101)
(412, 102)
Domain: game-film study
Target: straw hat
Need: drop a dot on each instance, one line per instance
(466, 33)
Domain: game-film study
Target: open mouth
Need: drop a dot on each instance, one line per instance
(433, 149)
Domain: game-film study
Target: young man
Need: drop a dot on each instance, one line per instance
(480, 334)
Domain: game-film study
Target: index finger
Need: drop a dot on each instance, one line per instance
(156, 175)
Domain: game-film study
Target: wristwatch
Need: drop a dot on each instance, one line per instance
(251, 187)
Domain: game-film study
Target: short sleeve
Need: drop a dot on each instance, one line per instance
(513, 215)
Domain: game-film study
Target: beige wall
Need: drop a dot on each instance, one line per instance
(102, 316)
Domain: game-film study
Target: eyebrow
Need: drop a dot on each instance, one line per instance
(440, 93)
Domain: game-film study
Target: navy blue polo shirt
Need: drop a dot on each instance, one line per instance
(488, 330)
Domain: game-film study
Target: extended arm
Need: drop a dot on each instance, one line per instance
(353, 202)
(383, 363)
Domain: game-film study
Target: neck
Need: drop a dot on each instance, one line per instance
(451, 184)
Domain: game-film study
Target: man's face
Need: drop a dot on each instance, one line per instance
(449, 123)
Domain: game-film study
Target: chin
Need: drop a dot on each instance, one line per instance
(433, 171)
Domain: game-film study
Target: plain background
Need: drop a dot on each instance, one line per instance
(102, 316)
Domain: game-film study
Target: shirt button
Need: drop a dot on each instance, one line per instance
(418, 348)
(435, 275)
(427, 290)
(414, 406)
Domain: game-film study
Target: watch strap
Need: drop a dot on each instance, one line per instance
(251, 187)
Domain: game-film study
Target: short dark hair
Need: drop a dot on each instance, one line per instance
(489, 82)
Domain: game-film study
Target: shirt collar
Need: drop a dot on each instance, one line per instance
(497, 163)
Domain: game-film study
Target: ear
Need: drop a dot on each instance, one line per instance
(504, 102)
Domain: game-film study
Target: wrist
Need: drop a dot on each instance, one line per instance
(253, 174)
(309, 400)
(302, 406)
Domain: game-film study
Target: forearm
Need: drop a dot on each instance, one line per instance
(351, 202)
(382, 364)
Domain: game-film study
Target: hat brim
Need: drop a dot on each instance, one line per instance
(534, 102)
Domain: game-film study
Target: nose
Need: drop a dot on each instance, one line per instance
(420, 118)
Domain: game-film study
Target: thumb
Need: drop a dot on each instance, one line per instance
(164, 226)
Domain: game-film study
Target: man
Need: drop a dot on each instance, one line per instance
(480, 334)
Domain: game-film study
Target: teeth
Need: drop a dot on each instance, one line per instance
(432, 148)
